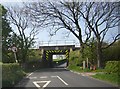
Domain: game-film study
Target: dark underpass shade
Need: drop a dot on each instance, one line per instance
(49, 51)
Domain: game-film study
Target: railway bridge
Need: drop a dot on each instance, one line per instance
(49, 51)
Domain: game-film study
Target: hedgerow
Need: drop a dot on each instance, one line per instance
(12, 73)
(112, 67)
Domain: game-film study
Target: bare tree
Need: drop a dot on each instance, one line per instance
(101, 18)
(24, 28)
(96, 17)
(61, 15)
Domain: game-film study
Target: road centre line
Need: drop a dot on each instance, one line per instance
(60, 79)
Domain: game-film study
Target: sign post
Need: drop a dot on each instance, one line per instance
(83, 64)
(14, 49)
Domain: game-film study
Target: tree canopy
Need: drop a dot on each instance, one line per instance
(83, 19)
(6, 35)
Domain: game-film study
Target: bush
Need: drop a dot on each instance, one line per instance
(114, 54)
(75, 68)
(11, 74)
(74, 58)
(112, 67)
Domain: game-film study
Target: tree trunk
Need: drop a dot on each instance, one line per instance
(99, 55)
(82, 50)
(82, 54)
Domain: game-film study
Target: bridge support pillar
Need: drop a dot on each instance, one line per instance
(44, 61)
(71, 49)
(50, 61)
(42, 51)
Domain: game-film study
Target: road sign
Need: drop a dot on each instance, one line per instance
(14, 49)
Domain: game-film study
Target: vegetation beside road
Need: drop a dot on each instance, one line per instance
(112, 78)
(111, 74)
(12, 73)
(106, 74)
(78, 69)
(110, 70)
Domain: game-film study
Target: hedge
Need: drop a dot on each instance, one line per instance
(11, 74)
(112, 67)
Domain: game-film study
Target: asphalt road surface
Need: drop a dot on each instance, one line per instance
(60, 77)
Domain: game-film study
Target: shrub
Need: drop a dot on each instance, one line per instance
(74, 58)
(11, 74)
(112, 67)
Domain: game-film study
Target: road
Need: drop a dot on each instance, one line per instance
(60, 77)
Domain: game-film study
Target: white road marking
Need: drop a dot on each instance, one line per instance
(29, 75)
(32, 77)
(38, 86)
(53, 76)
(60, 79)
(43, 77)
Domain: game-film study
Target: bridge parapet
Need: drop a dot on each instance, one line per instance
(59, 43)
(62, 47)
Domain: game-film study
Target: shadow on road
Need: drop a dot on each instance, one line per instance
(58, 69)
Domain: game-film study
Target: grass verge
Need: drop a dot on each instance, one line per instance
(12, 73)
(78, 69)
(113, 78)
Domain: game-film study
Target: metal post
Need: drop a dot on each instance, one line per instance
(14, 49)
(15, 57)
(83, 64)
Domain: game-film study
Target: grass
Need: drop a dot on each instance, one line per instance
(113, 78)
(78, 69)
(98, 70)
